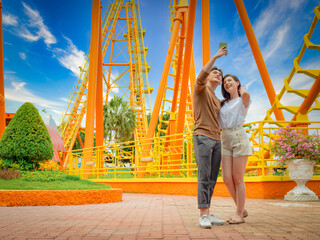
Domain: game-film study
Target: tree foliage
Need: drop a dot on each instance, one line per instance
(119, 120)
(165, 117)
(82, 135)
(26, 140)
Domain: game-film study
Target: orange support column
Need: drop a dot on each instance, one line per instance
(308, 101)
(164, 76)
(99, 100)
(163, 84)
(79, 139)
(99, 93)
(186, 66)
(185, 83)
(177, 80)
(205, 10)
(2, 101)
(145, 155)
(192, 73)
(93, 67)
(258, 56)
(306, 105)
(172, 121)
(109, 73)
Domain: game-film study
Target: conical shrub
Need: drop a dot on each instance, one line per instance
(26, 140)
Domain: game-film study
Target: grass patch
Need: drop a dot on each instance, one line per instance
(17, 184)
(49, 180)
(120, 174)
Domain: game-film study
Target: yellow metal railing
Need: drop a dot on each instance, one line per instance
(173, 158)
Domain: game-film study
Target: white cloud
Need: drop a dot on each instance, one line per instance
(295, 4)
(279, 35)
(9, 19)
(71, 58)
(258, 4)
(59, 113)
(259, 106)
(22, 55)
(276, 12)
(277, 40)
(18, 92)
(247, 85)
(9, 72)
(27, 35)
(260, 102)
(64, 99)
(35, 29)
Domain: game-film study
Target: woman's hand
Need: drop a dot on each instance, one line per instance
(242, 89)
(244, 95)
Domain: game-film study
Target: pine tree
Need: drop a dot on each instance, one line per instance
(26, 140)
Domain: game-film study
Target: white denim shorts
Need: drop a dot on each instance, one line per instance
(235, 142)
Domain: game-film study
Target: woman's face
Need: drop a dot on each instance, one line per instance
(230, 85)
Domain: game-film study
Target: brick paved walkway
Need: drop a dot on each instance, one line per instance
(146, 216)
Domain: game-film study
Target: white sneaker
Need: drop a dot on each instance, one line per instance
(204, 221)
(215, 221)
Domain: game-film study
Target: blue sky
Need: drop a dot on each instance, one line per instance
(45, 42)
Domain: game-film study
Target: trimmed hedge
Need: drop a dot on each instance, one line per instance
(26, 140)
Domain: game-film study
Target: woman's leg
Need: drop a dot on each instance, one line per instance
(227, 172)
(239, 167)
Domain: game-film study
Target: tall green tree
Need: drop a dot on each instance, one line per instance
(119, 119)
(26, 140)
(82, 135)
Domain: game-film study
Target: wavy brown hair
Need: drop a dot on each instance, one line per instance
(225, 94)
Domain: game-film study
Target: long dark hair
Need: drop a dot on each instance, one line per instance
(225, 94)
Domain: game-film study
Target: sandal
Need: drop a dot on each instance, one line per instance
(245, 214)
(233, 221)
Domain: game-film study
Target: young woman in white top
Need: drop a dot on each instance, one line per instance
(235, 142)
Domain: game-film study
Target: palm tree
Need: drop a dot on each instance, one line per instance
(118, 120)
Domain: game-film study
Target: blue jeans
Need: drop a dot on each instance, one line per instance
(207, 153)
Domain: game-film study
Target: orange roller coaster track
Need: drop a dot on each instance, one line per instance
(170, 150)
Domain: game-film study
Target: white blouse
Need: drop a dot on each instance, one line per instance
(233, 114)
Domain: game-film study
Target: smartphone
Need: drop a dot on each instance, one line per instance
(222, 44)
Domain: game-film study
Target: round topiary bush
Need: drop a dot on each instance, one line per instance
(26, 140)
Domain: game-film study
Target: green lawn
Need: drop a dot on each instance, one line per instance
(48, 180)
(17, 184)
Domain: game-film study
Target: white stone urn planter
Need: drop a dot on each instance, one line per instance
(300, 171)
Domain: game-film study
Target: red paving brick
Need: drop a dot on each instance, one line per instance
(147, 216)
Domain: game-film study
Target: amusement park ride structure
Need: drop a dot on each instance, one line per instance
(174, 96)
(117, 39)
(117, 65)
(2, 103)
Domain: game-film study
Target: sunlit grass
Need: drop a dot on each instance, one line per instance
(47, 180)
(17, 184)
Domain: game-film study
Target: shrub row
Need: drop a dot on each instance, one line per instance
(39, 176)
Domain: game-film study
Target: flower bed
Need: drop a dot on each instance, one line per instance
(58, 197)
